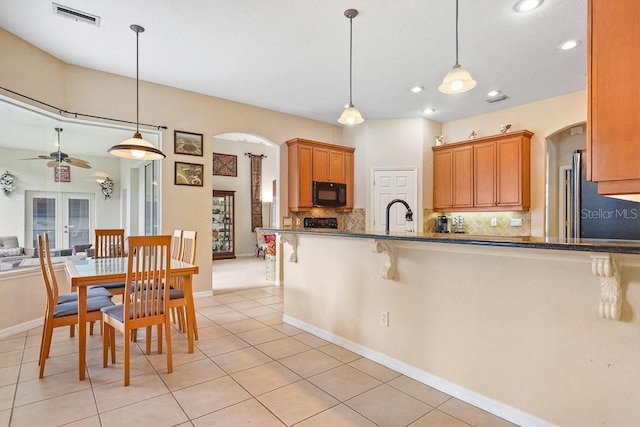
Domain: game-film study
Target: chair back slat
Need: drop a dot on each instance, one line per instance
(189, 240)
(176, 244)
(109, 243)
(147, 272)
(46, 267)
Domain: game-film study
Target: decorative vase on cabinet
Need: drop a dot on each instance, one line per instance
(223, 223)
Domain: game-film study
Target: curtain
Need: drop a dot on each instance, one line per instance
(256, 190)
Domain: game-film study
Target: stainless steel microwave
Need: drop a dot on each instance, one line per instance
(329, 194)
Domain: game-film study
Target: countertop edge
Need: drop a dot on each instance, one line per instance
(583, 245)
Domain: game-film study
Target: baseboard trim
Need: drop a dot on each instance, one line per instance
(22, 327)
(492, 406)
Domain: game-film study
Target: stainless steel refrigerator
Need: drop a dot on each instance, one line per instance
(596, 216)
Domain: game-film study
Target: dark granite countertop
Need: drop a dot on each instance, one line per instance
(586, 245)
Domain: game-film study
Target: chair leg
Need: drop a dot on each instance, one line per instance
(148, 340)
(112, 336)
(169, 356)
(127, 344)
(72, 331)
(106, 342)
(160, 338)
(46, 344)
(91, 328)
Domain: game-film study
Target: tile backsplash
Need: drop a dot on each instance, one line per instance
(353, 221)
(479, 223)
(476, 223)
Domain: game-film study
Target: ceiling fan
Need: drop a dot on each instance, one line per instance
(58, 158)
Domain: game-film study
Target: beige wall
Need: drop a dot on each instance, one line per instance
(513, 330)
(33, 72)
(543, 118)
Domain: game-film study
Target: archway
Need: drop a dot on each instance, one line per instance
(235, 147)
(560, 147)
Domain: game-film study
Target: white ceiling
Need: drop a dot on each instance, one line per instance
(293, 56)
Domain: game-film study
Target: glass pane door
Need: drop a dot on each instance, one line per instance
(43, 218)
(76, 220)
(67, 217)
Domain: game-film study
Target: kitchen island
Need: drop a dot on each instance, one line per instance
(537, 331)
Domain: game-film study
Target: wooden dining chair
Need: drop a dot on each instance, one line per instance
(144, 300)
(178, 301)
(110, 244)
(62, 309)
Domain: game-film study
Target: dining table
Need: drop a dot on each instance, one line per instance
(83, 273)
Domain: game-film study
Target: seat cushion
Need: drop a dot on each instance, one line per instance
(117, 312)
(175, 294)
(91, 293)
(93, 304)
(110, 285)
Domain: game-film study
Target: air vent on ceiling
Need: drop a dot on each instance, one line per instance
(76, 15)
(497, 99)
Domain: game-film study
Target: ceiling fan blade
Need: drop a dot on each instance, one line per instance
(78, 162)
(41, 157)
(53, 163)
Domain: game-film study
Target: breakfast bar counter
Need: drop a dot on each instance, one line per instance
(536, 331)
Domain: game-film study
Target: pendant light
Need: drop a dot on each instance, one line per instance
(457, 80)
(350, 115)
(137, 148)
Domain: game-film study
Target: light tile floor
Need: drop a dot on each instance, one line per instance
(248, 368)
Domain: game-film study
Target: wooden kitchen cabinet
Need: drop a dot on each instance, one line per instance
(613, 101)
(453, 171)
(318, 161)
(485, 174)
(328, 165)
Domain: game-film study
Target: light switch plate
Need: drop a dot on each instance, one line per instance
(516, 222)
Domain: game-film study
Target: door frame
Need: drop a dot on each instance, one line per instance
(417, 209)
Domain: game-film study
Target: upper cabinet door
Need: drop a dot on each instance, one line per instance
(442, 179)
(484, 159)
(463, 177)
(614, 100)
(337, 166)
(320, 164)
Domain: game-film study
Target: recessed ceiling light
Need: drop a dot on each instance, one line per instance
(527, 5)
(428, 111)
(569, 44)
(493, 93)
(416, 89)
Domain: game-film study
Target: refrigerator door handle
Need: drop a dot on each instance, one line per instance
(575, 196)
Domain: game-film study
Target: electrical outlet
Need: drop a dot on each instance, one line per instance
(384, 318)
(516, 222)
(494, 222)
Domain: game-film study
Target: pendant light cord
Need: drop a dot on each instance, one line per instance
(138, 82)
(457, 64)
(351, 61)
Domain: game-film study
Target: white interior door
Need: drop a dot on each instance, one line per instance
(390, 184)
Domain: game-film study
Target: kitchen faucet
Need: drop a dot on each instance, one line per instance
(408, 216)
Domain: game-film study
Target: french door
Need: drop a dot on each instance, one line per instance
(67, 217)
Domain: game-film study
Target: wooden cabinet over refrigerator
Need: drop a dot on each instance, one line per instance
(223, 223)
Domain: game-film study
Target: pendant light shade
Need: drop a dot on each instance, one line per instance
(457, 80)
(136, 147)
(350, 115)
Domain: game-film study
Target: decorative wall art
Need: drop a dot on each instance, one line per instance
(225, 164)
(62, 174)
(187, 143)
(7, 183)
(189, 174)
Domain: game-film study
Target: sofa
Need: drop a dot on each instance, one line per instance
(9, 247)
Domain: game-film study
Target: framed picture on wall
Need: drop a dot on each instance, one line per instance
(225, 164)
(187, 143)
(189, 174)
(62, 174)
